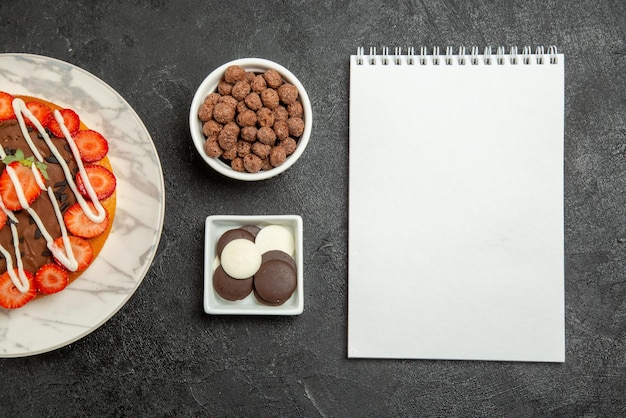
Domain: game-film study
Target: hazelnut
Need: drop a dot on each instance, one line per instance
(258, 84)
(211, 128)
(241, 107)
(227, 137)
(288, 93)
(243, 148)
(266, 164)
(212, 98)
(223, 112)
(237, 164)
(281, 129)
(289, 144)
(234, 73)
(205, 112)
(248, 133)
(224, 88)
(270, 98)
(252, 163)
(278, 155)
(295, 110)
(261, 149)
(230, 154)
(265, 117)
(212, 148)
(273, 78)
(281, 113)
(296, 126)
(240, 90)
(228, 99)
(247, 118)
(266, 135)
(253, 101)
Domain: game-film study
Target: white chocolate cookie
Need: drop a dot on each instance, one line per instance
(241, 258)
(275, 237)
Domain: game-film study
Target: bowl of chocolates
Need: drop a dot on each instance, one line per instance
(253, 265)
(250, 119)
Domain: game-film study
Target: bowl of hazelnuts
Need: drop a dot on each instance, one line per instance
(250, 119)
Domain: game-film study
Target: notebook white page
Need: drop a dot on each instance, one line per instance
(456, 227)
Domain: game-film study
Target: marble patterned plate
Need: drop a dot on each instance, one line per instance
(55, 321)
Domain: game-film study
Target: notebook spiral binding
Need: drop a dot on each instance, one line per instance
(461, 57)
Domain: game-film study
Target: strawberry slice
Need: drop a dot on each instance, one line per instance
(80, 225)
(10, 296)
(51, 278)
(3, 219)
(26, 180)
(71, 121)
(101, 179)
(41, 112)
(81, 248)
(91, 145)
(6, 106)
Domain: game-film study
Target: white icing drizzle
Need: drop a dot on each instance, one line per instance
(20, 281)
(21, 284)
(101, 213)
(19, 191)
(18, 259)
(2, 206)
(19, 107)
(6, 211)
(41, 182)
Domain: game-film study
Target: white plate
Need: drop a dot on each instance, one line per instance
(54, 321)
(215, 226)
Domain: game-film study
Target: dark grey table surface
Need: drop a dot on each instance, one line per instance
(160, 355)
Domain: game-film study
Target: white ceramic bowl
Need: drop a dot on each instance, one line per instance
(209, 85)
(215, 226)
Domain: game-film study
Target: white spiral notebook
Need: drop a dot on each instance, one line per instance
(456, 224)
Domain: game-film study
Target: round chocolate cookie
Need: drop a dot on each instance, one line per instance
(253, 229)
(229, 288)
(275, 281)
(230, 235)
(279, 255)
(263, 301)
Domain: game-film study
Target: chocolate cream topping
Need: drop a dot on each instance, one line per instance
(32, 245)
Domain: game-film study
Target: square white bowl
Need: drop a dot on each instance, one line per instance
(215, 226)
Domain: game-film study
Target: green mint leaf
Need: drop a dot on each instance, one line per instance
(28, 162)
(43, 168)
(18, 156)
(9, 159)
